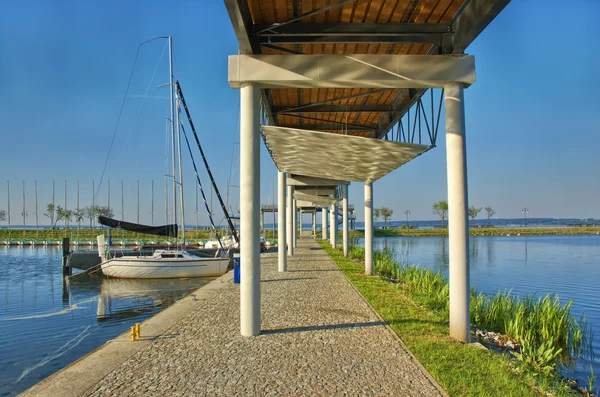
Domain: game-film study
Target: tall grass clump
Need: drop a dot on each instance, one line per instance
(550, 335)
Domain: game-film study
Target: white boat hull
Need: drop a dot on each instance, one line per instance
(144, 268)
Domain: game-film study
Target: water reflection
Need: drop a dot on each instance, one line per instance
(63, 320)
(568, 266)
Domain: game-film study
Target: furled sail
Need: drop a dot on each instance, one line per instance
(166, 230)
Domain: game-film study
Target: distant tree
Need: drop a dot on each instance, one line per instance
(50, 213)
(60, 215)
(2, 215)
(490, 212)
(386, 214)
(91, 213)
(104, 211)
(376, 214)
(473, 212)
(441, 209)
(67, 216)
(79, 215)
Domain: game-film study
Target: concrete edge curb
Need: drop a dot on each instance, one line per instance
(84, 373)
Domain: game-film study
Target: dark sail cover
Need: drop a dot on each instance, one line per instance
(166, 230)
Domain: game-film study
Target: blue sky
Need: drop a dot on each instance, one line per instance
(532, 115)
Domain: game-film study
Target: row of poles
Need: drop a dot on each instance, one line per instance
(25, 214)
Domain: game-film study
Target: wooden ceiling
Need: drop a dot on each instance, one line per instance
(353, 27)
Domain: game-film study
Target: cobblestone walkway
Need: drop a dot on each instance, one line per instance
(319, 338)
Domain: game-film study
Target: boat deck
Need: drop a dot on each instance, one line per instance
(319, 337)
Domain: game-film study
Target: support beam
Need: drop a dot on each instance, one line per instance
(356, 128)
(324, 223)
(345, 220)
(290, 220)
(311, 181)
(472, 20)
(281, 223)
(333, 109)
(250, 210)
(369, 270)
(350, 71)
(458, 226)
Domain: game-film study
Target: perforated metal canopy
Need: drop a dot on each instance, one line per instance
(317, 201)
(336, 156)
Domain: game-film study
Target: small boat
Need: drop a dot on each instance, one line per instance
(165, 264)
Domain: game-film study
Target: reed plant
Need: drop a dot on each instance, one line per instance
(550, 335)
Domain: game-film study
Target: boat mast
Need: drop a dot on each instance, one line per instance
(178, 130)
(171, 88)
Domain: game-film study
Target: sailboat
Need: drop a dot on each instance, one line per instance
(164, 263)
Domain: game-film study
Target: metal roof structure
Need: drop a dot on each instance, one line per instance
(353, 27)
(336, 156)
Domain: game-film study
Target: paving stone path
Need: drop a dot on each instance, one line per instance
(319, 338)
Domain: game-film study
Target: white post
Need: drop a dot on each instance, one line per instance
(295, 223)
(324, 222)
(290, 221)
(281, 222)
(345, 220)
(332, 225)
(314, 223)
(458, 226)
(249, 210)
(369, 228)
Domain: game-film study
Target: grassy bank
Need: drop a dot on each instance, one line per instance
(414, 304)
(90, 234)
(483, 231)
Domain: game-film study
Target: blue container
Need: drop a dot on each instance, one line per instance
(236, 270)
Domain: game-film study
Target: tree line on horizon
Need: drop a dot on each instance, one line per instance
(56, 213)
(441, 209)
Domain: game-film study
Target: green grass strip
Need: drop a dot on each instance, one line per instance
(462, 370)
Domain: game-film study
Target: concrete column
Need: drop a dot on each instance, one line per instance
(250, 210)
(262, 221)
(345, 220)
(295, 213)
(282, 262)
(290, 220)
(332, 227)
(324, 222)
(458, 225)
(369, 228)
(314, 223)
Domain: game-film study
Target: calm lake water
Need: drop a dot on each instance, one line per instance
(45, 324)
(568, 266)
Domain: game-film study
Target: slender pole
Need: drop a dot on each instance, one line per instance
(78, 217)
(177, 102)
(54, 208)
(37, 224)
(172, 105)
(166, 201)
(197, 211)
(273, 207)
(24, 209)
(8, 193)
(345, 221)
(281, 237)
(290, 221)
(250, 322)
(122, 203)
(138, 201)
(369, 228)
(458, 226)
(332, 228)
(108, 182)
(93, 199)
(152, 205)
(65, 203)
